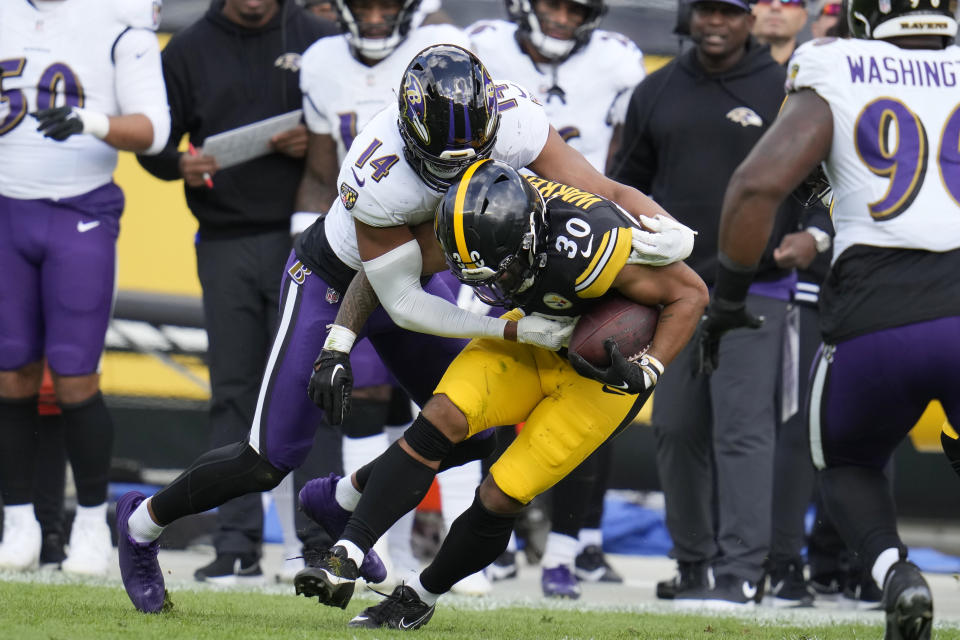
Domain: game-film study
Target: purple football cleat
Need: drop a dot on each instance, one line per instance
(142, 577)
(559, 582)
(318, 499)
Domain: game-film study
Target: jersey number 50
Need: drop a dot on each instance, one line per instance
(54, 78)
(901, 154)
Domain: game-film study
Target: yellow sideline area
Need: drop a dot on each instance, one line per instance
(155, 253)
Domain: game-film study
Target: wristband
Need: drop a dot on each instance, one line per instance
(339, 339)
(733, 281)
(94, 123)
(821, 239)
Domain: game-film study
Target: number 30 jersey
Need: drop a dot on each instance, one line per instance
(895, 160)
(589, 242)
(97, 54)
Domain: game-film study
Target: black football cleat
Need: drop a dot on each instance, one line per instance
(330, 577)
(403, 609)
(907, 602)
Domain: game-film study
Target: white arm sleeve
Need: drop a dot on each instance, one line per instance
(139, 83)
(395, 276)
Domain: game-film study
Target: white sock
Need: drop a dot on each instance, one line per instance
(346, 494)
(512, 544)
(883, 563)
(97, 513)
(353, 551)
(359, 451)
(141, 526)
(283, 500)
(458, 486)
(590, 537)
(425, 595)
(18, 511)
(560, 550)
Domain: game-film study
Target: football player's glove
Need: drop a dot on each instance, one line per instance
(60, 123)
(669, 242)
(548, 332)
(331, 384)
(721, 316)
(633, 375)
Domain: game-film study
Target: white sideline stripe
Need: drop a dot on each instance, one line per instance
(816, 397)
(289, 302)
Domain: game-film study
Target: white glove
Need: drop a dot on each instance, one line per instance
(670, 242)
(548, 332)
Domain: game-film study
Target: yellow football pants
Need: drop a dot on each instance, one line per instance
(496, 382)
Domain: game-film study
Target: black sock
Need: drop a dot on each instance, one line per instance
(860, 503)
(88, 433)
(571, 497)
(593, 516)
(475, 540)
(50, 475)
(18, 424)
(397, 483)
(215, 477)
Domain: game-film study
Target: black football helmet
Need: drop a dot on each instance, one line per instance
(448, 113)
(375, 48)
(528, 24)
(881, 19)
(492, 226)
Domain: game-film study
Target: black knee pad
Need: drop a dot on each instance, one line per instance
(400, 413)
(478, 447)
(366, 418)
(426, 440)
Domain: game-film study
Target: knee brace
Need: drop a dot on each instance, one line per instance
(426, 440)
(366, 418)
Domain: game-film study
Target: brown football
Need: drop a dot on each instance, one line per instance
(630, 324)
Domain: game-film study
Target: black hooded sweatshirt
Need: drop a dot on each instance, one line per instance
(219, 76)
(686, 132)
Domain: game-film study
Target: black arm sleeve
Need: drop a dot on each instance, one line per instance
(817, 216)
(166, 164)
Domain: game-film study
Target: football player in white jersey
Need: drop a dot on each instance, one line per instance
(584, 77)
(881, 113)
(449, 113)
(345, 81)
(79, 79)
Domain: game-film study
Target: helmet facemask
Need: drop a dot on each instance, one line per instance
(375, 48)
(530, 24)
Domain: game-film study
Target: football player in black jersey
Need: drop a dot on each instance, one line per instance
(532, 246)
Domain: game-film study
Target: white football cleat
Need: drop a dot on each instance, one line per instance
(20, 549)
(90, 548)
(475, 584)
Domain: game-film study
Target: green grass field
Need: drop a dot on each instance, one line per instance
(78, 611)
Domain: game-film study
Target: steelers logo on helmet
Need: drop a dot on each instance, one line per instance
(448, 113)
(492, 227)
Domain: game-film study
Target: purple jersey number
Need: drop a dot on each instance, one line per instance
(57, 79)
(892, 142)
(381, 166)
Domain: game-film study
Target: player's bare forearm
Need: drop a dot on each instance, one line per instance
(133, 132)
(318, 186)
(359, 301)
(683, 295)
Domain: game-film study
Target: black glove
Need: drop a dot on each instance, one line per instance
(624, 374)
(721, 316)
(331, 384)
(58, 123)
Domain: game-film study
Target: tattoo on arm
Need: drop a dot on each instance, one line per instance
(358, 303)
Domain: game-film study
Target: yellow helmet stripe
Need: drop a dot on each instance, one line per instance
(458, 215)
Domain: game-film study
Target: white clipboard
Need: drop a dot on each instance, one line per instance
(249, 141)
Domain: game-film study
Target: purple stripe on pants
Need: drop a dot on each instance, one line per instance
(57, 271)
(286, 419)
(877, 386)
